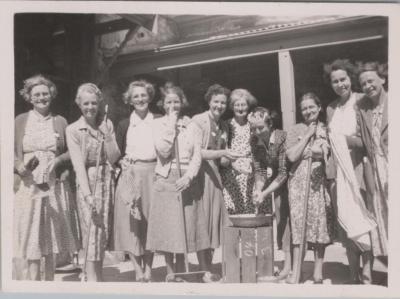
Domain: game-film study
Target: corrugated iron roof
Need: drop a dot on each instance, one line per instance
(260, 31)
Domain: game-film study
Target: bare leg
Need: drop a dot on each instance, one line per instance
(148, 263)
(91, 271)
(367, 259)
(137, 261)
(353, 257)
(169, 262)
(319, 253)
(286, 265)
(98, 266)
(201, 257)
(34, 269)
(49, 267)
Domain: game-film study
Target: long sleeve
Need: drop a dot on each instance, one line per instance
(282, 162)
(74, 147)
(164, 136)
(61, 127)
(120, 135)
(195, 159)
(19, 127)
(110, 143)
(355, 141)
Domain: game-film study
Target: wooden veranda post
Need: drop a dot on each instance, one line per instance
(287, 89)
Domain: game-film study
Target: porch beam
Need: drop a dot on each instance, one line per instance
(287, 89)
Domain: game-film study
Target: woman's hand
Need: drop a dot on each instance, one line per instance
(124, 164)
(258, 197)
(231, 155)
(312, 129)
(182, 183)
(32, 163)
(53, 164)
(225, 162)
(90, 201)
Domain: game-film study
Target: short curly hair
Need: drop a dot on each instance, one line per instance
(36, 80)
(340, 64)
(139, 83)
(310, 96)
(89, 88)
(216, 89)
(241, 93)
(381, 69)
(170, 88)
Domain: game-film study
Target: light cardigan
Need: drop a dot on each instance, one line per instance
(188, 144)
(59, 126)
(202, 120)
(76, 139)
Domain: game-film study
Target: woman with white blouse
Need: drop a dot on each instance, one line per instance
(134, 187)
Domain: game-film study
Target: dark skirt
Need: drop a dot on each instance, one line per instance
(166, 231)
(135, 182)
(213, 204)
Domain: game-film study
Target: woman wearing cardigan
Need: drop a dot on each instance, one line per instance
(166, 230)
(41, 224)
(372, 135)
(214, 134)
(93, 150)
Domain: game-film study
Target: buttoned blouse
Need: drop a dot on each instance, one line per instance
(139, 138)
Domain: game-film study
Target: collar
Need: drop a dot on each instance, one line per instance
(136, 120)
(82, 124)
(272, 137)
(40, 117)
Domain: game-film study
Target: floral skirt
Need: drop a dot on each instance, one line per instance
(97, 231)
(42, 222)
(320, 217)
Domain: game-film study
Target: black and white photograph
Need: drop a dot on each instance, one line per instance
(199, 148)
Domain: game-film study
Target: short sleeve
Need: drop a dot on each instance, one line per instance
(295, 134)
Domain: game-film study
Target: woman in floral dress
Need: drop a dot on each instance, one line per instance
(238, 176)
(41, 218)
(95, 191)
(319, 221)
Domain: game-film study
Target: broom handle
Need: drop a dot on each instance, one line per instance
(178, 165)
(303, 241)
(94, 194)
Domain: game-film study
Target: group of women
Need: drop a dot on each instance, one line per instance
(136, 185)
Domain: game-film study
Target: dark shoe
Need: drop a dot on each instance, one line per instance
(280, 275)
(209, 277)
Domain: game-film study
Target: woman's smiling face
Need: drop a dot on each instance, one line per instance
(240, 108)
(89, 105)
(218, 105)
(41, 98)
(371, 84)
(309, 110)
(341, 83)
(140, 99)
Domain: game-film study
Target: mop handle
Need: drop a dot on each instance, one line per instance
(178, 165)
(94, 194)
(303, 238)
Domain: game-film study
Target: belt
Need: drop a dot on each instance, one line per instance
(135, 161)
